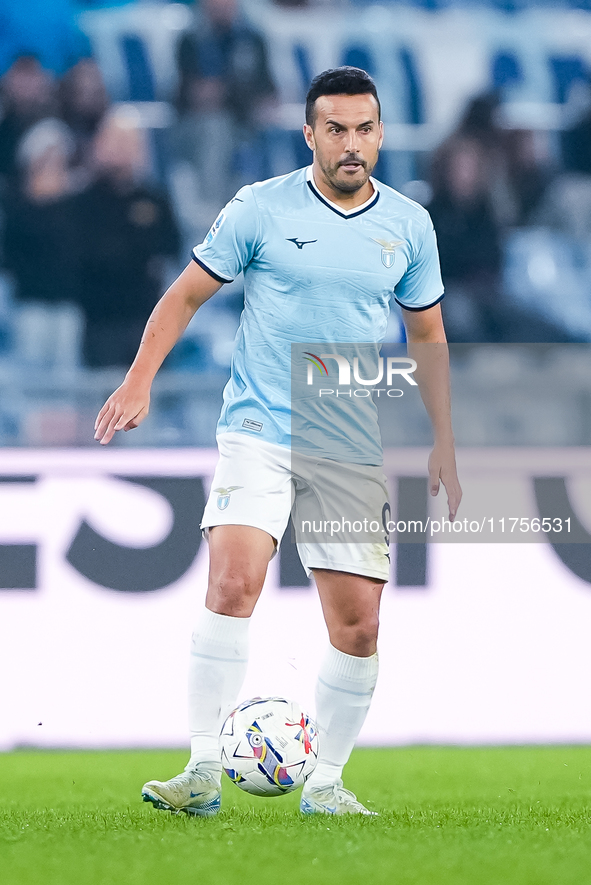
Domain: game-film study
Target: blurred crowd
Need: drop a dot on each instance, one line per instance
(83, 227)
(95, 209)
(488, 179)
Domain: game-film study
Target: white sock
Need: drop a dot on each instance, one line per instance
(343, 695)
(219, 658)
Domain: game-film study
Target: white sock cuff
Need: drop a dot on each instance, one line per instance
(222, 629)
(339, 665)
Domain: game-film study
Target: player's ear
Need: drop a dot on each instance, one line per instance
(381, 141)
(309, 136)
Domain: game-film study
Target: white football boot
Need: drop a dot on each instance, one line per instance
(196, 791)
(332, 799)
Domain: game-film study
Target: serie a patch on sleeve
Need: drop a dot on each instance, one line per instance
(215, 227)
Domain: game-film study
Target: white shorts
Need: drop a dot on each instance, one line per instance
(260, 484)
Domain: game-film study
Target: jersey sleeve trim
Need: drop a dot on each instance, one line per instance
(422, 306)
(209, 270)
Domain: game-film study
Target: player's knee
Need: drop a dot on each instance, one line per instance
(359, 637)
(233, 593)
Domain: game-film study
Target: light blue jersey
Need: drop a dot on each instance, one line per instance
(313, 273)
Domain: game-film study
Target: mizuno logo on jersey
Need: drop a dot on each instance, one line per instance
(388, 250)
(300, 243)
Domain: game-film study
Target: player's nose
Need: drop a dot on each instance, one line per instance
(352, 142)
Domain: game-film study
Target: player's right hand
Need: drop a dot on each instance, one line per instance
(124, 410)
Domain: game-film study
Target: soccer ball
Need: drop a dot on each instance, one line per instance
(269, 746)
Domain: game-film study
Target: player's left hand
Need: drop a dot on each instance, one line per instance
(442, 468)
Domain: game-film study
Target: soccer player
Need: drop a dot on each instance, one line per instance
(311, 245)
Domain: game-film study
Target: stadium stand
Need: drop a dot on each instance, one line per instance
(430, 59)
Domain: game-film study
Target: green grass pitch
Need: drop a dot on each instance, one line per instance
(448, 816)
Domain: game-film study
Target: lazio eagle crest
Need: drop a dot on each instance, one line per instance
(388, 250)
(224, 496)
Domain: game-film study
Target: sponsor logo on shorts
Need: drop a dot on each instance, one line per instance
(249, 424)
(224, 496)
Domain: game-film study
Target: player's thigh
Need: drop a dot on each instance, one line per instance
(251, 486)
(245, 517)
(238, 560)
(351, 605)
(340, 518)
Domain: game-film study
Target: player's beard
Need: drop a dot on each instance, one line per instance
(347, 185)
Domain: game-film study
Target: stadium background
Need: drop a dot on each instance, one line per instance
(480, 643)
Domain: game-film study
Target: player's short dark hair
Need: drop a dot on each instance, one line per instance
(339, 81)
